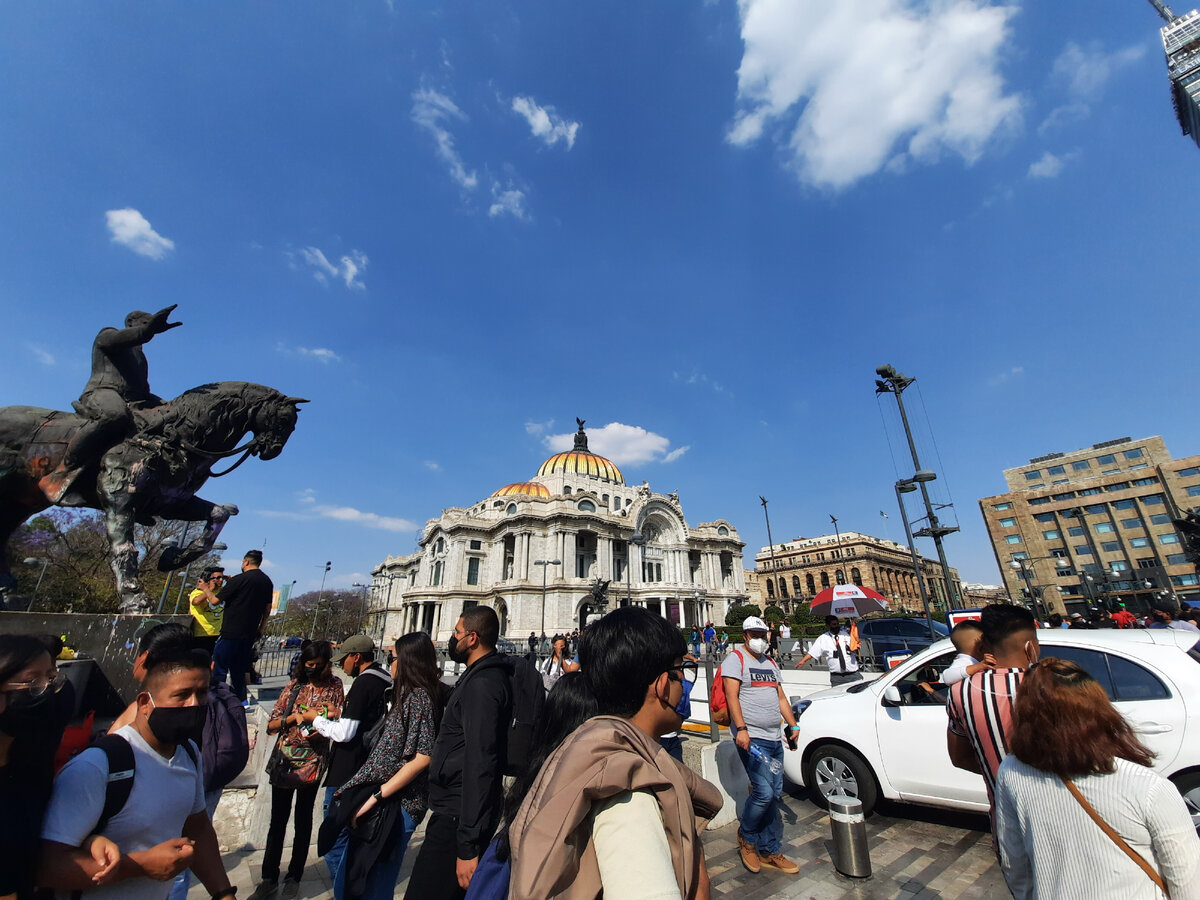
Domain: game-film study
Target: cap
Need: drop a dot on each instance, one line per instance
(754, 623)
(1076, 616)
(356, 643)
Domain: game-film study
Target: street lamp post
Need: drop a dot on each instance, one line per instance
(892, 382)
(320, 596)
(907, 487)
(838, 535)
(639, 539)
(545, 563)
(33, 561)
(771, 545)
(362, 610)
(1026, 574)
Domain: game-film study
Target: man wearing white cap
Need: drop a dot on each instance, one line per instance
(757, 703)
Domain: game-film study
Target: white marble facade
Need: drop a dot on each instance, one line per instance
(577, 510)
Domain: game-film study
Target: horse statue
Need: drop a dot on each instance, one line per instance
(153, 473)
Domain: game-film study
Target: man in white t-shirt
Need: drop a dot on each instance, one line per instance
(785, 640)
(162, 828)
(834, 643)
(757, 705)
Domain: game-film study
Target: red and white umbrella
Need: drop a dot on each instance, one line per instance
(848, 601)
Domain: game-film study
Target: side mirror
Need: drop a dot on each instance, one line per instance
(891, 696)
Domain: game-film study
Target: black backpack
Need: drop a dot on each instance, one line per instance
(121, 770)
(528, 699)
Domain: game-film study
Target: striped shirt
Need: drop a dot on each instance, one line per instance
(980, 709)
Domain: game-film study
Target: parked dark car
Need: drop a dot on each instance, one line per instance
(880, 636)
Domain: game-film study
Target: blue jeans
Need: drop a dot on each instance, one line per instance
(183, 881)
(337, 853)
(381, 882)
(762, 825)
(231, 657)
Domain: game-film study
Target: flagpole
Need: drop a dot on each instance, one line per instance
(887, 532)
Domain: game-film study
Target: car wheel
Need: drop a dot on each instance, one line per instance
(833, 771)
(1188, 784)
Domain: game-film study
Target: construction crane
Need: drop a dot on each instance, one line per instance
(1181, 43)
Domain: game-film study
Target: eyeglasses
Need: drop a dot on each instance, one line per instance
(687, 672)
(38, 686)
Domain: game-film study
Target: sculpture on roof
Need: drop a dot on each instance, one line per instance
(133, 456)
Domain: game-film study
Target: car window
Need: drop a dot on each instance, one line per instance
(879, 629)
(923, 685)
(1094, 662)
(1134, 682)
(912, 628)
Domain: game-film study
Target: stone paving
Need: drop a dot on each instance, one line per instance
(916, 854)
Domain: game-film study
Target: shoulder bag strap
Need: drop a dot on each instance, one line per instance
(1116, 838)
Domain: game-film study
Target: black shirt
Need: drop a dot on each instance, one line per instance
(365, 703)
(247, 598)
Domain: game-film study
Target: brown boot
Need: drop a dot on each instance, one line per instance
(750, 857)
(778, 861)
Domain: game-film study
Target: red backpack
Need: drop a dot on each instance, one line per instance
(718, 705)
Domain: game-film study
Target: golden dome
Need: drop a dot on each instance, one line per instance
(581, 461)
(526, 488)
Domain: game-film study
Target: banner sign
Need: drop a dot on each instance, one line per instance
(954, 616)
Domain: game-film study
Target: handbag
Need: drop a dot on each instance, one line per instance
(295, 767)
(1116, 838)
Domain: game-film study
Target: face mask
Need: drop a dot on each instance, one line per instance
(684, 709)
(303, 676)
(47, 712)
(176, 724)
(459, 656)
(758, 646)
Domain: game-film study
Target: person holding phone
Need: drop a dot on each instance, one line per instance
(206, 608)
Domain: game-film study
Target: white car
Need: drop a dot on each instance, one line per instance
(888, 737)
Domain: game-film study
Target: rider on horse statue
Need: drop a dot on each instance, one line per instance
(118, 385)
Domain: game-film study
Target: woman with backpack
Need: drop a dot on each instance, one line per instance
(297, 764)
(389, 795)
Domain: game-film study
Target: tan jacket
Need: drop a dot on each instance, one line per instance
(552, 850)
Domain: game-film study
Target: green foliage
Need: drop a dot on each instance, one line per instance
(773, 615)
(340, 615)
(738, 614)
(802, 617)
(71, 549)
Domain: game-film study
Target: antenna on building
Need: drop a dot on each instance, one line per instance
(1163, 10)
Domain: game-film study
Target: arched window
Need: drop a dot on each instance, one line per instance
(770, 589)
(856, 575)
(783, 586)
(604, 499)
(812, 587)
(824, 580)
(441, 547)
(796, 585)
(841, 577)
(723, 531)
(512, 510)
(437, 573)
(587, 506)
(566, 489)
(616, 503)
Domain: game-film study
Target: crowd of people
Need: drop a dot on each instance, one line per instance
(595, 802)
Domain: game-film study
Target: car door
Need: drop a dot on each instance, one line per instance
(913, 633)
(1152, 707)
(912, 739)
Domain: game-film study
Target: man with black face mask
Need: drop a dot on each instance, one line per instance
(465, 774)
(162, 828)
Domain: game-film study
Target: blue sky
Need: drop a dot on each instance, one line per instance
(455, 228)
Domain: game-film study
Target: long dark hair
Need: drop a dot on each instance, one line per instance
(16, 652)
(1064, 723)
(569, 704)
(417, 667)
(315, 650)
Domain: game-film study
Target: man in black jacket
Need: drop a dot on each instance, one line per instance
(468, 763)
(247, 599)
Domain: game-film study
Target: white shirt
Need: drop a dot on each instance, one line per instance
(785, 632)
(1050, 849)
(827, 644)
(957, 670)
(164, 794)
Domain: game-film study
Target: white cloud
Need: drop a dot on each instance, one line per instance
(320, 354)
(623, 444)
(369, 519)
(41, 354)
(536, 428)
(699, 379)
(308, 495)
(432, 111)
(508, 202)
(1083, 74)
(129, 228)
(432, 466)
(544, 123)
(1049, 166)
(999, 379)
(877, 83)
(349, 267)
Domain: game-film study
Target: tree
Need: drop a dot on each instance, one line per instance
(803, 616)
(739, 614)
(341, 614)
(71, 552)
(773, 614)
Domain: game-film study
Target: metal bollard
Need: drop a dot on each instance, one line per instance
(851, 855)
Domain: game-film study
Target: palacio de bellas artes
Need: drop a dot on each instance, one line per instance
(548, 553)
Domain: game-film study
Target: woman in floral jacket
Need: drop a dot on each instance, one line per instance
(313, 686)
(398, 765)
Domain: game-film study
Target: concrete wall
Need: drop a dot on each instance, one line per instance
(109, 639)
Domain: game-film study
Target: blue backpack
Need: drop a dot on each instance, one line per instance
(490, 881)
